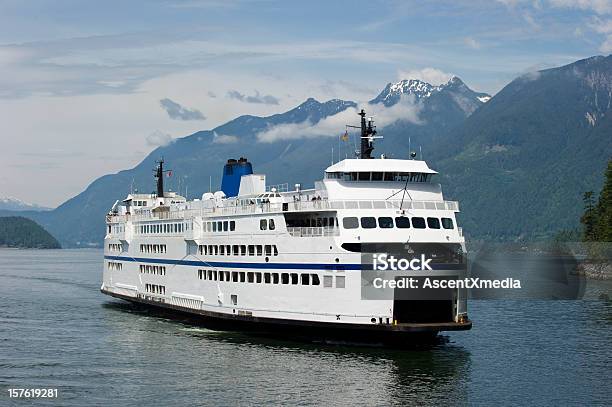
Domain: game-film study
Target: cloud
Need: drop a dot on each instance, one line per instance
(178, 112)
(257, 98)
(159, 139)
(432, 76)
(471, 43)
(603, 27)
(224, 138)
(332, 126)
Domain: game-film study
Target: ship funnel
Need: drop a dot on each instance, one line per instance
(232, 171)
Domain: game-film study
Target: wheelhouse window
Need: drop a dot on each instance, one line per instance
(271, 224)
(368, 222)
(232, 225)
(263, 224)
(377, 176)
(418, 223)
(350, 223)
(364, 176)
(447, 223)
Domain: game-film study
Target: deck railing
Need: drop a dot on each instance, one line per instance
(313, 231)
(296, 206)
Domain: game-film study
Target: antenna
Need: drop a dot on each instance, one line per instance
(409, 144)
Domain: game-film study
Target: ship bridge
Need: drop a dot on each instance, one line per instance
(381, 178)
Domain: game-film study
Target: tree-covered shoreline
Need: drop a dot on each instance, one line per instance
(24, 233)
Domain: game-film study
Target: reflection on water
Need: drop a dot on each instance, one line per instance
(59, 331)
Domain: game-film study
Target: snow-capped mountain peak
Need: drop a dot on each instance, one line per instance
(15, 204)
(422, 91)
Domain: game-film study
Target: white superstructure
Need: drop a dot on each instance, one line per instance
(279, 257)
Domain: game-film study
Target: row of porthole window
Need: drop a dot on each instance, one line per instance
(401, 222)
(149, 269)
(258, 277)
(238, 250)
(153, 248)
(155, 289)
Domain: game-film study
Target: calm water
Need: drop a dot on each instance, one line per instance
(57, 330)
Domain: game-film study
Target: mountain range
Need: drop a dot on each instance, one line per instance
(518, 161)
(14, 204)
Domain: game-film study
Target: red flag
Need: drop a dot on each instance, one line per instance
(169, 174)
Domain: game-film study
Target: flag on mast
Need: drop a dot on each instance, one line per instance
(345, 136)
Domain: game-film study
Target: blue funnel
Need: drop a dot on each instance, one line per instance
(232, 171)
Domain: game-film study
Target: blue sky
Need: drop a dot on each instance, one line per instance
(81, 81)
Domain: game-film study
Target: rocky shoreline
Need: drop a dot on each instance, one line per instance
(595, 271)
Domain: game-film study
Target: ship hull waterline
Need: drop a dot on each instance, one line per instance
(401, 334)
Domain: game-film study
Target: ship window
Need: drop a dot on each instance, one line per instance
(350, 223)
(315, 279)
(215, 275)
(364, 176)
(259, 250)
(433, 223)
(447, 223)
(214, 226)
(275, 278)
(235, 250)
(418, 223)
(327, 281)
(340, 282)
(275, 250)
(377, 176)
(263, 224)
(294, 278)
(268, 250)
(235, 276)
(209, 274)
(305, 279)
(219, 226)
(389, 176)
(267, 278)
(251, 250)
(234, 299)
(272, 226)
(251, 277)
(368, 222)
(228, 249)
(285, 278)
(232, 225)
(222, 250)
(242, 276)
(258, 277)
(221, 276)
(385, 222)
(242, 250)
(225, 226)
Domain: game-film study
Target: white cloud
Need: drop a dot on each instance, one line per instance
(471, 43)
(432, 76)
(159, 139)
(332, 126)
(224, 138)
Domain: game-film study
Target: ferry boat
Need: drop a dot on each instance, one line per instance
(289, 260)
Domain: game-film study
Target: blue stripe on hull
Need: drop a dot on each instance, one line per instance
(293, 266)
(269, 266)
